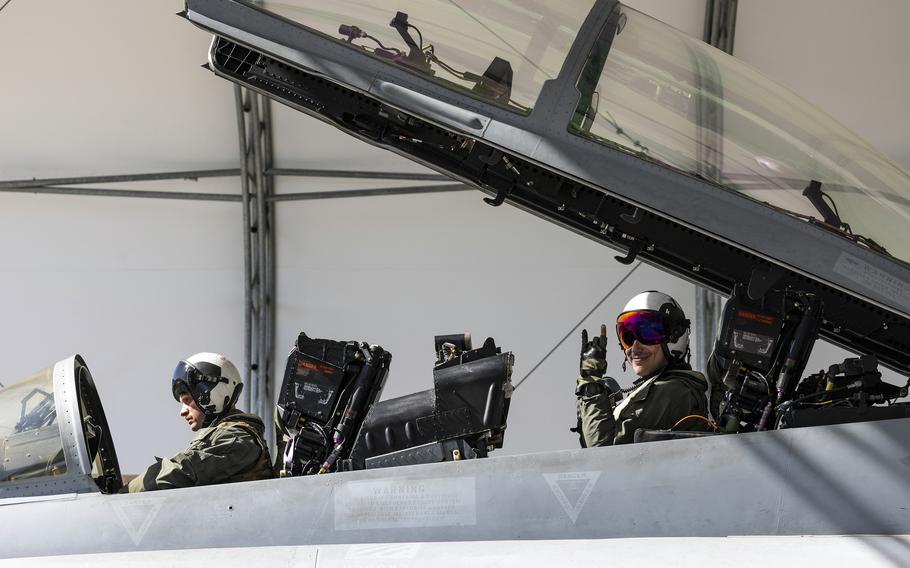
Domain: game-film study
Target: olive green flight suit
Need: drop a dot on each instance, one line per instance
(656, 403)
(230, 449)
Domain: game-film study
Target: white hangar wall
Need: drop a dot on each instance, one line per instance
(102, 87)
(106, 87)
(848, 58)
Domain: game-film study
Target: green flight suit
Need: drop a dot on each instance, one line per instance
(660, 402)
(231, 449)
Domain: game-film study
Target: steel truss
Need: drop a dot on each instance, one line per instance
(254, 135)
(256, 198)
(720, 25)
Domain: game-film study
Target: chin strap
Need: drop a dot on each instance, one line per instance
(212, 418)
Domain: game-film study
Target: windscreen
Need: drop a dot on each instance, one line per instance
(500, 51)
(668, 97)
(30, 443)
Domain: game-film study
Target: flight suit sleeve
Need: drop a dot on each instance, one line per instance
(145, 481)
(206, 461)
(595, 416)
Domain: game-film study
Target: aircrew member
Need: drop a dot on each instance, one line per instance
(229, 445)
(654, 334)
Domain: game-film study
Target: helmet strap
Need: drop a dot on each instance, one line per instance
(207, 420)
(667, 355)
(211, 417)
(236, 395)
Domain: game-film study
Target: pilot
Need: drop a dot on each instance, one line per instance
(229, 444)
(654, 334)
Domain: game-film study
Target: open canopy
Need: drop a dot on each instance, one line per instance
(54, 437)
(609, 123)
(658, 93)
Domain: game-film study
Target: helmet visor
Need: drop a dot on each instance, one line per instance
(647, 326)
(185, 380)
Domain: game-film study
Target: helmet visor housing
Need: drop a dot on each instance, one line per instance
(186, 378)
(190, 380)
(647, 326)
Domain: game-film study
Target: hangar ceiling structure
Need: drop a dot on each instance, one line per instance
(257, 198)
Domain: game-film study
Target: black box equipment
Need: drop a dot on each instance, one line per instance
(327, 390)
(464, 415)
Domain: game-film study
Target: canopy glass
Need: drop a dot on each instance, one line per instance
(30, 442)
(668, 97)
(648, 89)
(518, 44)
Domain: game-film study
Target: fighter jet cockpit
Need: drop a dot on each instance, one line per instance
(55, 440)
(629, 132)
(54, 437)
(625, 131)
(597, 118)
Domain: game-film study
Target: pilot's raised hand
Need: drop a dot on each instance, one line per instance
(593, 361)
(590, 388)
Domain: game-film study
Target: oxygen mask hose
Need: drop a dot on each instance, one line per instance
(372, 357)
(338, 443)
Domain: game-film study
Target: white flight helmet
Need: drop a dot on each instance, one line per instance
(655, 318)
(212, 381)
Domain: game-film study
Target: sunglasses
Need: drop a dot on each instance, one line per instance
(647, 326)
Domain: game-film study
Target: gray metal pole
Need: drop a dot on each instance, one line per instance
(186, 175)
(270, 274)
(238, 198)
(261, 230)
(247, 266)
(57, 185)
(97, 192)
(708, 309)
(264, 186)
(447, 188)
(720, 24)
(296, 172)
(248, 102)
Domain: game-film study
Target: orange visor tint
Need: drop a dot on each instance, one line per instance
(647, 326)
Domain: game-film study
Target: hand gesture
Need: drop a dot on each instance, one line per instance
(594, 353)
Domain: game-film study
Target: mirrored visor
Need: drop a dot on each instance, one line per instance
(647, 326)
(185, 380)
